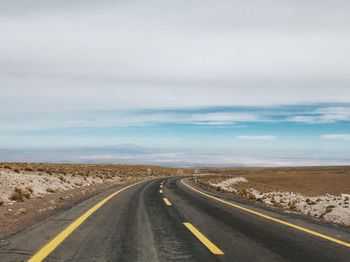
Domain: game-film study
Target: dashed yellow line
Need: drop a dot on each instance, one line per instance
(160, 191)
(279, 221)
(213, 248)
(167, 202)
(54, 243)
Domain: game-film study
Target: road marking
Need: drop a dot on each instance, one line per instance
(54, 243)
(161, 186)
(167, 202)
(160, 191)
(309, 231)
(213, 248)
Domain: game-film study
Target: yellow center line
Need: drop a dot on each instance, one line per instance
(160, 191)
(55, 242)
(306, 230)
(213, 248)
(167, 202)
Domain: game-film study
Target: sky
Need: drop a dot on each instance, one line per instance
(195, 82)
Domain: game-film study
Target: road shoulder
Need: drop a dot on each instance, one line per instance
(339, 232)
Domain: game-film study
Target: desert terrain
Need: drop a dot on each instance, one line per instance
(103, 214)
(30, 192)
(322, 193)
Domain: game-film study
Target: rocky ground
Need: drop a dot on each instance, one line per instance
(31, 192)
(323, 196)
(18, 187)
(15, 217)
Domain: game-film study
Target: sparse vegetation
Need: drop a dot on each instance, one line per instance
(102, 171)
(20, 194)
(50, 190)
(62, 178)
(319, 192)
(30, 189)
(44, 183)
(309, 181)
(31, 180)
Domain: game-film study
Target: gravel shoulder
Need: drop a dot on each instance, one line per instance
(320, 193)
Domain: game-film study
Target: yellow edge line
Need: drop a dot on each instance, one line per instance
(309, 231)
(213, 248)
(54, 243)
(167, 202)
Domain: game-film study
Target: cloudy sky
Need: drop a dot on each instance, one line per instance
(250, 82)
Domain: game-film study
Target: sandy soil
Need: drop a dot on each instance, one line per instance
(321, 195)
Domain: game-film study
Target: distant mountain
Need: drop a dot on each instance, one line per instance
(71, 154)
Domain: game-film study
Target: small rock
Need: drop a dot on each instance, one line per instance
(22, 211)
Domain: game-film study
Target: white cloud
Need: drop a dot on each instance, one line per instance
(121, 118)
(261, 137)
(324, 115)
(118, 54)
(171, 158)
(224, 117)
(344, 137)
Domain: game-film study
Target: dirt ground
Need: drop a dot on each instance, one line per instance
(308, 181)
(18, 216)
(30, 192)
(319, 192)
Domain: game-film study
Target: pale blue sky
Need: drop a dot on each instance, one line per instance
(250, 82)
(299, 134)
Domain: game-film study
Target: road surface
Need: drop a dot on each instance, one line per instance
(171, 221)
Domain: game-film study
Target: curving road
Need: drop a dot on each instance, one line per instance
(174, 222)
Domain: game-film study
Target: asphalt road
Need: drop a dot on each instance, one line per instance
(139, 225)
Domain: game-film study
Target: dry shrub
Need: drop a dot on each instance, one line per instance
(244, 193)
(329, 208)
(100, 176)
(20, 194)
(251, 196)
(16, 170)
(50, 190)
(28, 169)
(30, 189)
(292, 206)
